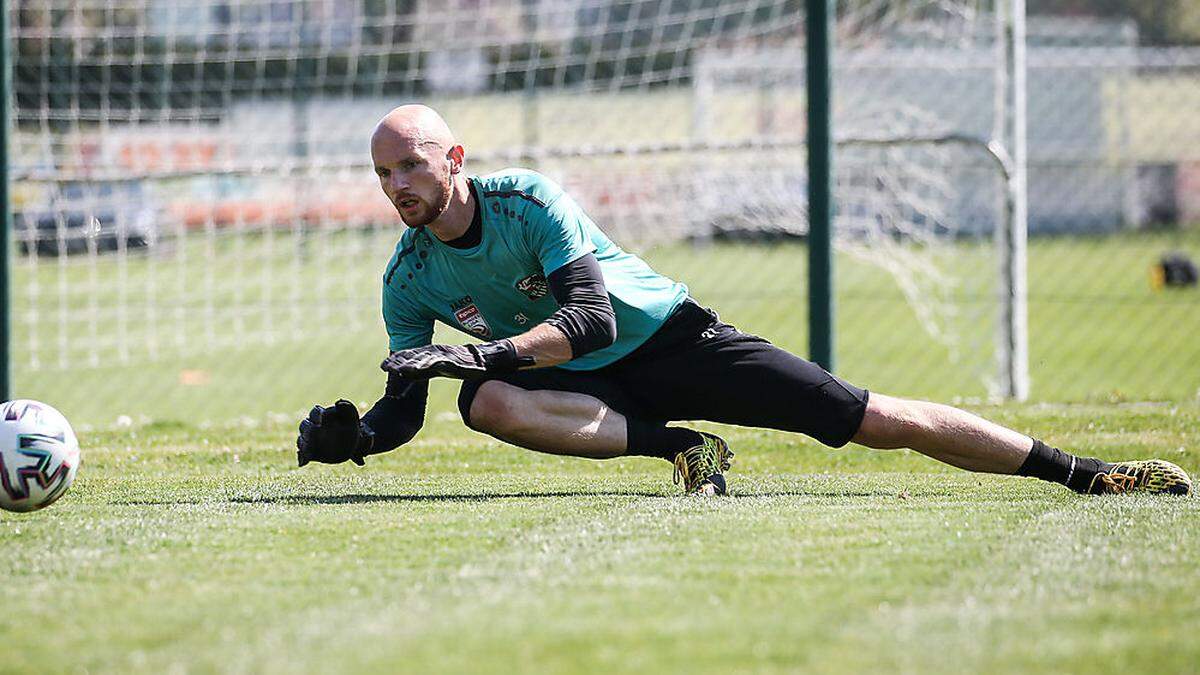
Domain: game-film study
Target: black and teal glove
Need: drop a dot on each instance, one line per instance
(333, 435)
(465, 362)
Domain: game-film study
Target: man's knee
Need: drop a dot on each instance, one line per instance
(489, 406)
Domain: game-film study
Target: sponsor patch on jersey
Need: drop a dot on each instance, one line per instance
(534, 286)
(469, 316)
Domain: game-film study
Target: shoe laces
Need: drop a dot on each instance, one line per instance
(1114, 483)
(695, 464)
(683, 469)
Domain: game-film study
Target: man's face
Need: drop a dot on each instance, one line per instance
(415, 176)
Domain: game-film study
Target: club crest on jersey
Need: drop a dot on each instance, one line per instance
(534, 286)
(470, 318)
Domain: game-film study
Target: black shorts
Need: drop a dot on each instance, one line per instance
(696, 367)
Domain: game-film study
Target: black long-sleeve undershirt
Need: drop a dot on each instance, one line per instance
(397, 417)
(585, 313)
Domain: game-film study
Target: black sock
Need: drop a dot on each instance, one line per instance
(1060, 467)
(653, 439)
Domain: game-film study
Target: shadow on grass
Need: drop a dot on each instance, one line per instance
(482, 497)
(503, 496)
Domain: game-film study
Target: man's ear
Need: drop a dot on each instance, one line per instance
(457, 155)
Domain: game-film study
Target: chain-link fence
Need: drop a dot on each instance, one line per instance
(199, 235)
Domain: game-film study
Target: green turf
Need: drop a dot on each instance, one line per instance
(183, 548)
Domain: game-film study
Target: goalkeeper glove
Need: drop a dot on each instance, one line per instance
(463, 362)
(333, 435)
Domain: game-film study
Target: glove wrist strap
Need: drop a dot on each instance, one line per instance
(500, 356)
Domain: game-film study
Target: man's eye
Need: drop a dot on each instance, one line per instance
(382, 173)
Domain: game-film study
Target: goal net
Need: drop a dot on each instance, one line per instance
(199, 232)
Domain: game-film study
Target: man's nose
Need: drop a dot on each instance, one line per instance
(397, 182)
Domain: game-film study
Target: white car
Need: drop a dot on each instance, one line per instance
(84, 216)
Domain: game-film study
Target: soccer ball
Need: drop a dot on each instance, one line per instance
(39, 455)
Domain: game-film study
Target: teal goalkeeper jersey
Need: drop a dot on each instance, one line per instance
(498, 289)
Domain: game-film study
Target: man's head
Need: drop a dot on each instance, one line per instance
(416, 159)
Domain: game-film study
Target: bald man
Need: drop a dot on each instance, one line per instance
(587, 351)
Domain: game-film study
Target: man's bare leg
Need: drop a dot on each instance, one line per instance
(556, 422)
(970, 442)
(946, 434)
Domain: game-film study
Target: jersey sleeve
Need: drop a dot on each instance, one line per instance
(560, 235)
(407, 325)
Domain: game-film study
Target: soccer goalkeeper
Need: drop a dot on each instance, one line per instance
(587, 351)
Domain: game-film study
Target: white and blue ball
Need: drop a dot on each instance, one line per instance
(39, 455)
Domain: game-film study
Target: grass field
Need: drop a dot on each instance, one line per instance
(188, 549)
(191, 543)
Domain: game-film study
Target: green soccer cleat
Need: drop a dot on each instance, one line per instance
(700, 467)
(1152, 476)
